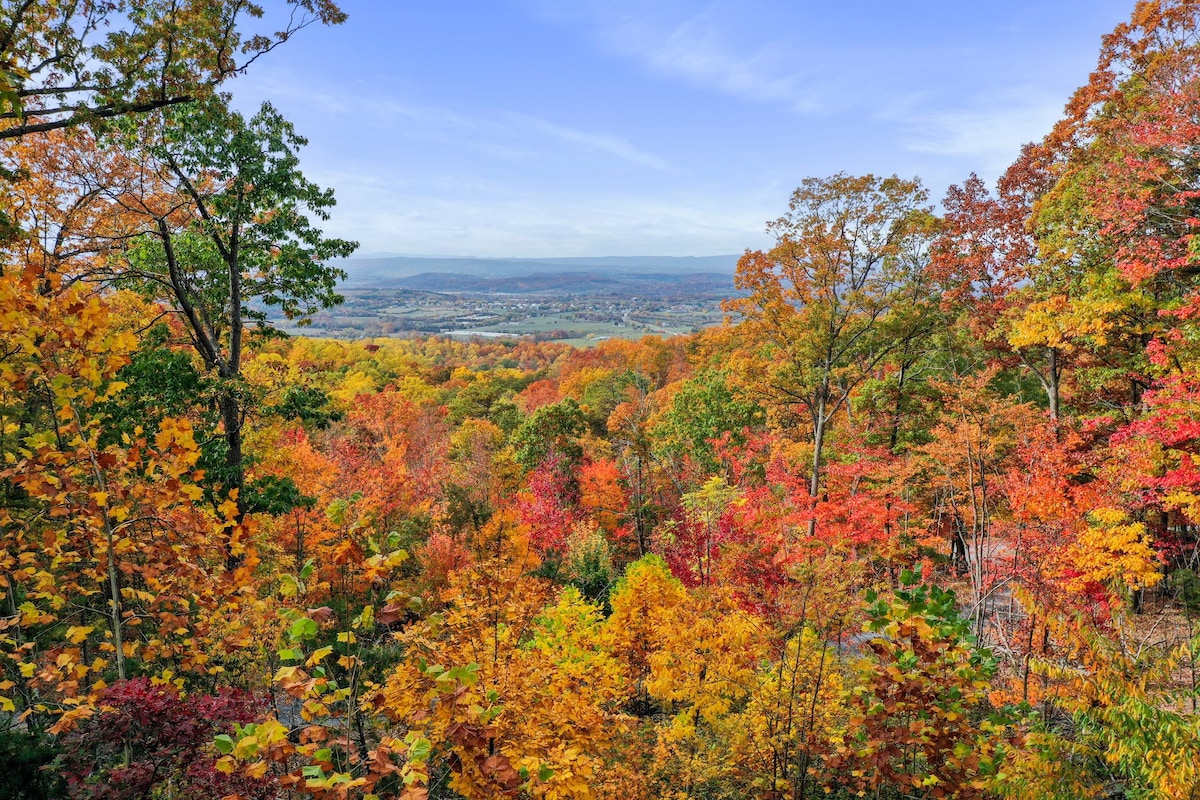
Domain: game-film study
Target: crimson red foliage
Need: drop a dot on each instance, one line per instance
(169, 739)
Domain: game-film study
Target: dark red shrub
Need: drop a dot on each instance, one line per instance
(166, 737)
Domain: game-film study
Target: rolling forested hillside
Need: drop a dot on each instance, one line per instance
(920, 519)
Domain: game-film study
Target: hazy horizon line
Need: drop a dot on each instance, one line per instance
(378, 255)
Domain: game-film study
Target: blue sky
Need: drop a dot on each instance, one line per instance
(606, 127)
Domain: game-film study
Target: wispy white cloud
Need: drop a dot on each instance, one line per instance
(694, 44)
(696, 50)
(599, 142)
(731, 47)
(499, 133)
(989, 132)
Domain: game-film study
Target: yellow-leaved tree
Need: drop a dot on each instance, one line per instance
(515, 687)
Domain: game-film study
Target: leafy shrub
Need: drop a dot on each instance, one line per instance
(146, 738)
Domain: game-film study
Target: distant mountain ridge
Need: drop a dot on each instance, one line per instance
(369, 273)
(570, 283)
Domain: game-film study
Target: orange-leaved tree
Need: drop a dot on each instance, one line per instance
(843, 289)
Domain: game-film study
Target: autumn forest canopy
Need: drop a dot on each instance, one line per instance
(921, 519)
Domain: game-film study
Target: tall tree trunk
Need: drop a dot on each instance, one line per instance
(894, 439)
(235, 479)
(1049, 378)
(116, 618)
(894, 435)
(231, 419)
(1052, 374)
(814, 478)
